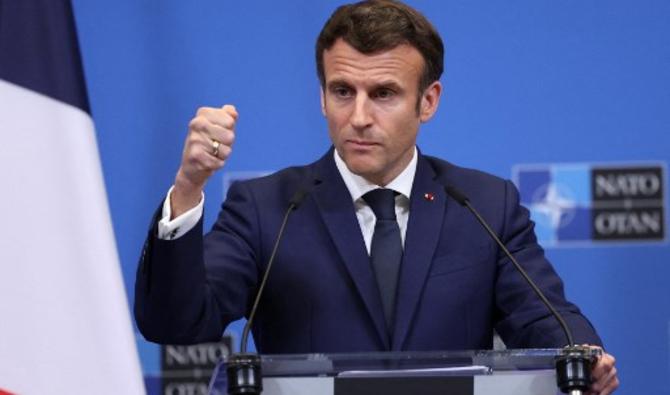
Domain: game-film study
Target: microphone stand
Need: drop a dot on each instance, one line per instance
(243, 369)
(573, 366)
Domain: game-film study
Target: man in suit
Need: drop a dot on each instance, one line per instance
(354, 273)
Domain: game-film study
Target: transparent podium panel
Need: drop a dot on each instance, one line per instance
(517, 372)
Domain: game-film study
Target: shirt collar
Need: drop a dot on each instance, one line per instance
(359, 186)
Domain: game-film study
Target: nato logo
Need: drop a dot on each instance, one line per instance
(582, 204)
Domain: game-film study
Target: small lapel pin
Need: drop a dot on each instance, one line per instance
(429, 196)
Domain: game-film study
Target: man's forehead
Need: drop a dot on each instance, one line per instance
(343, 60)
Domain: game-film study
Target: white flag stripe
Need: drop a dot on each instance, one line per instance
(64, 321)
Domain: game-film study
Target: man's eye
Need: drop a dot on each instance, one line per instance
(342, 92)
(384, 93)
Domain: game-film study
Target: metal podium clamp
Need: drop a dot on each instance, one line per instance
(573, 369)
(244, 374)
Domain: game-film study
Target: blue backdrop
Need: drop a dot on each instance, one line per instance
(531, 81)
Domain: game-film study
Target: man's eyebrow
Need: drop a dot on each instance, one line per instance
(388, 84)
(337, 83)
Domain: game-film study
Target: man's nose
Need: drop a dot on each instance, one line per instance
(361, 117)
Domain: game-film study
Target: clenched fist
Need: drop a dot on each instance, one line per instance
(209, 142)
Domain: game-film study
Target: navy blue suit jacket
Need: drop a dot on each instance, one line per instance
(455, 285)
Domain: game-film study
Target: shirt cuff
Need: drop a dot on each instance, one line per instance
(176, 228)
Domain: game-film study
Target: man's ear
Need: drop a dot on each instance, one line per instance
(430, 101)
(323, 102)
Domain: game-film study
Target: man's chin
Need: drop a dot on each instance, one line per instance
(363, 169)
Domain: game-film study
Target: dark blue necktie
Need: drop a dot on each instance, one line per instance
(386, 248)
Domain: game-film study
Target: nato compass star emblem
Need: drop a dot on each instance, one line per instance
(553, 204)
(559, 199)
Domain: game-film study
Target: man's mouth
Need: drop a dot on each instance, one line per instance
(361, 143)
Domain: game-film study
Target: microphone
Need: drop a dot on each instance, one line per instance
(573, 367)
(244, 369)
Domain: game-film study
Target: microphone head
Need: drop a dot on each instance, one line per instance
(298, 197)
(456, 195)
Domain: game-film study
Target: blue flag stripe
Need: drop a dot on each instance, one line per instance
(39, 49)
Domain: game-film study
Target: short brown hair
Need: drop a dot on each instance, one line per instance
(376, 25)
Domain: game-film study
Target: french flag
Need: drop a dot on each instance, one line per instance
(65, 326)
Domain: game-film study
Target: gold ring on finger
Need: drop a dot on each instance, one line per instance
(215, 147)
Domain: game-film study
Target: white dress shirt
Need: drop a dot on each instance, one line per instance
(357, 186)
(170, 230)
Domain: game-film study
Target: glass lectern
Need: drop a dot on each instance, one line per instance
(506, 372)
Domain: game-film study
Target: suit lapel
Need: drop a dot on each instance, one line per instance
(339, 216)
(423, 233)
